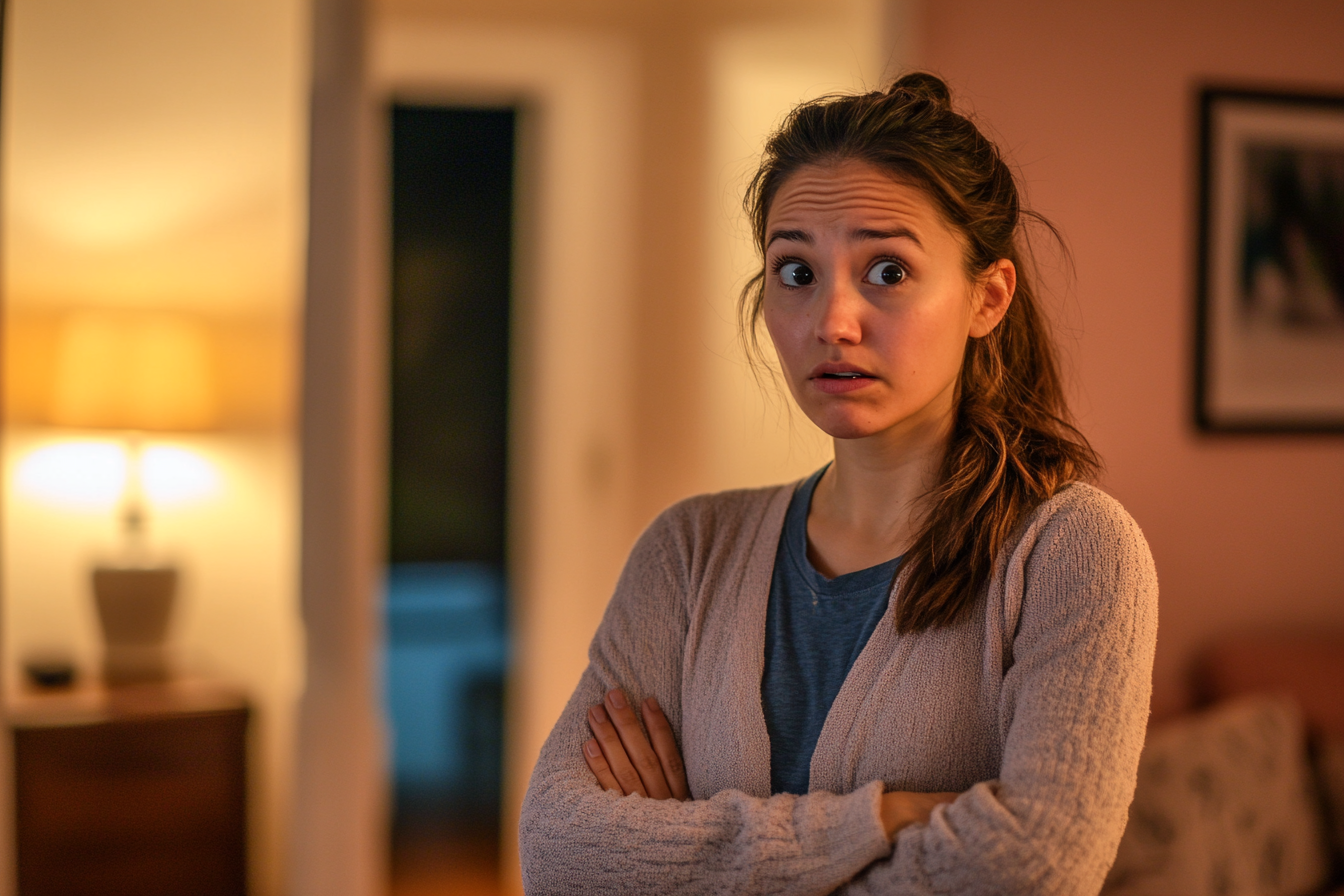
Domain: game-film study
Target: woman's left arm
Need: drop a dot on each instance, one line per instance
(1075, 707)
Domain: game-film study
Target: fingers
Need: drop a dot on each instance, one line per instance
(665, 745)
(623, 758)
(614, 752)
(636, 744)
(597, 764)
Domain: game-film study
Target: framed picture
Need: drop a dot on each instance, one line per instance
(1270, 334)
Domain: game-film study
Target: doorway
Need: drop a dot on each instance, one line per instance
(447, 619)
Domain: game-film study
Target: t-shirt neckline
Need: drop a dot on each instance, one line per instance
(795, 530)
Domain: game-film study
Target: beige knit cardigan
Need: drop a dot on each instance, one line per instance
(1033, 707)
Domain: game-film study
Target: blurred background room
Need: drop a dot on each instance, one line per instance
(348, 345)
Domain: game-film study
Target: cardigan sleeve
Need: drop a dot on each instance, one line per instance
(1074, 708)
(574, 837)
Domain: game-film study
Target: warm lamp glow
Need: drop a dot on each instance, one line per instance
(171, 475)
(91, 474)
(77, 474)
(133, 371)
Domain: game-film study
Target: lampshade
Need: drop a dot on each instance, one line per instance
(134, 371)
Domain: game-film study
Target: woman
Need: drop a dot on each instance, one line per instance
(926, 668)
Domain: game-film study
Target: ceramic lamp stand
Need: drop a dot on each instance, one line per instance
(134, 608)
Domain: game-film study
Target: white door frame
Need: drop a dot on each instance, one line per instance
(570, 439)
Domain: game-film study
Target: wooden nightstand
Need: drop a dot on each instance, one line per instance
(136, 790)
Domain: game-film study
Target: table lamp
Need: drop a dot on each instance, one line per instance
(136, 373)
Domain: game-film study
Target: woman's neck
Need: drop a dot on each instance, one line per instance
(866, 508)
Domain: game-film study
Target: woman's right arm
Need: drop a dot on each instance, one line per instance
(575, 837)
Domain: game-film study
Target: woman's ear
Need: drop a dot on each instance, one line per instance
(993, 294)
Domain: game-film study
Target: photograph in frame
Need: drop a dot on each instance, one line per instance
(1270, 349)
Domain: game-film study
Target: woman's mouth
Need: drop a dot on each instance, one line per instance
(835, 382)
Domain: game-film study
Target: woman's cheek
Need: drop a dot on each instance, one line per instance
(931, 343)
(783, 335)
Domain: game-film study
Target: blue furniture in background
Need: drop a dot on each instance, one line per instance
(447, 649)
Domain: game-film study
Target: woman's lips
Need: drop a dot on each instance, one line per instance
(840, 383)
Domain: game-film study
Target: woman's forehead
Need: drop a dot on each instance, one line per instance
(820, 195)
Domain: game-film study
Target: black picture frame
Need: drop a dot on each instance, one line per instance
(1269, 350)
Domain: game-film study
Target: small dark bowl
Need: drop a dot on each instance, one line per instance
(50, 673)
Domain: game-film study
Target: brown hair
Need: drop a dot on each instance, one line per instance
(1013, 443)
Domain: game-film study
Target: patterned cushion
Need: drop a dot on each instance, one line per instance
(1224, 805)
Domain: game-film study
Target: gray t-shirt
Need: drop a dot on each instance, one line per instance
(815, 628)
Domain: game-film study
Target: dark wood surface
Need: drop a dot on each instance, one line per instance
(131, 791)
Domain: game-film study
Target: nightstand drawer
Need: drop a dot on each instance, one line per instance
(150, 805)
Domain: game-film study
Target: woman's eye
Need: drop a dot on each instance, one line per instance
(796, 274)
(885, 273)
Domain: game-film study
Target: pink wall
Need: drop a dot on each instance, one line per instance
(1095, 101)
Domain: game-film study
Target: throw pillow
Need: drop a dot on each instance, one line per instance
(1224, 805)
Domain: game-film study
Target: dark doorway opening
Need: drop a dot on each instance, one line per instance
(447, 620)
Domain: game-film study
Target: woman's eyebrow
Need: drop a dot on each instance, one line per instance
(899, 233)
(863, 233)
(797, 236)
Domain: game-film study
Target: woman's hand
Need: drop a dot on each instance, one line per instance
(621, 757)
(902, 808)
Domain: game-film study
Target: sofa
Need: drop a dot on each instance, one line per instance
(1245, 794)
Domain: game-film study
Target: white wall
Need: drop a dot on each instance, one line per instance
(753, 434)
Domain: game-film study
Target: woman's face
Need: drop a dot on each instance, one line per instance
(868, 302)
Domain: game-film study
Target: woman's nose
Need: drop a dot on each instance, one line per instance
(838, 313)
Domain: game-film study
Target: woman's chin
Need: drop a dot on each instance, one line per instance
(845, 428)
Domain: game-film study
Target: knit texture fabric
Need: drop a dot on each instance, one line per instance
(1033, 707)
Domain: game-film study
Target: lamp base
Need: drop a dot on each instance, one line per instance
(134, 607)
